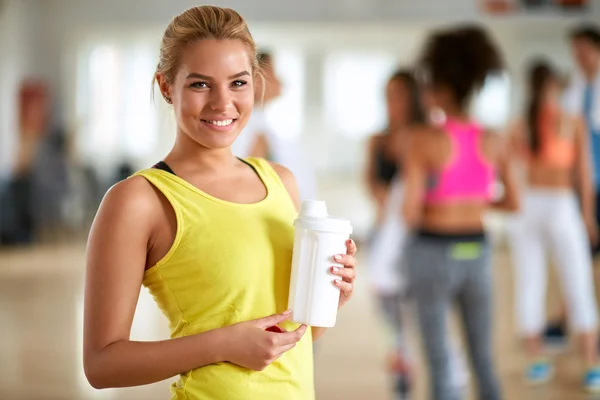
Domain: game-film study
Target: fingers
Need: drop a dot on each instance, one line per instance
(283, 349)
(350, 247)
(287, 338)
(346, 260)
(345, 287)
(348, 274)
(274, 319)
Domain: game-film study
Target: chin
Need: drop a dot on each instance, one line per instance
(215, 141)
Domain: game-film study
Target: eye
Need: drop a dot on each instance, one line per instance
(239, 83)
(199, 85)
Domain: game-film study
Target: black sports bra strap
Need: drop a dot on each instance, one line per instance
(164, 166)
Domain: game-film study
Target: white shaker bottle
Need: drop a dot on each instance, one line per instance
(313, 296)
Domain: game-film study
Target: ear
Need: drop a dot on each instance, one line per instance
(164, 86)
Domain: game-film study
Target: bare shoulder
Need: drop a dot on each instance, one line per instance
(289, 181)
(284, 173)
(132, 201)
(516, 128)
(418, 134)
(493, 136)
(374, 141)
(136, 191)
(423, 139)
(495, 144)
(375, 137)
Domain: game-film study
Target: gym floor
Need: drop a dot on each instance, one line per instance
(41, 337)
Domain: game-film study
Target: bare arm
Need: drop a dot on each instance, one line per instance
(116, 259)
(376, 189)
(516, 139)
(584, 178)
(510, 198)
(414, 173)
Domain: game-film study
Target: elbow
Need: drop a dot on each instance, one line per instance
(95, 379)
(96, 384)
(95, 375)
(513, 205)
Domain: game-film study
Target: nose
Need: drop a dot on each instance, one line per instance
(220, 99)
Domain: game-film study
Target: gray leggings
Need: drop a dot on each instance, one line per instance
(440, 272)
(393, 310)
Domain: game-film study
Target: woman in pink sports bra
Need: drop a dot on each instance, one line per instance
(450, 172)
(554, 149)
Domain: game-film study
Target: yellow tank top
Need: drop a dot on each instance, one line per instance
(230, 263)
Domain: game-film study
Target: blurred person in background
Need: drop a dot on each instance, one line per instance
(553, 145)
(259, 138)
(449, 173)
(17, 203)
(210, 236)
(405, 109)
(382, 164)
(583, 98)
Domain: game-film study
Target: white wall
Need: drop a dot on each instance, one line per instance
(86, 12)
(337, 23)
(315, 27)
(92, 12)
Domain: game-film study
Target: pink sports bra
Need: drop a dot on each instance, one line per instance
(468, 175)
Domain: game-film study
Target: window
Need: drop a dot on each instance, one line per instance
(354, 92)
(285, 114)
(118, 120)
(104, 87)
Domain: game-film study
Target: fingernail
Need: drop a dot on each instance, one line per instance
(338, 281)
(287, 312)
(337, 258)
(335, 269)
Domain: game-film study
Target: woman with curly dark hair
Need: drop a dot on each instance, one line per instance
(449, 173)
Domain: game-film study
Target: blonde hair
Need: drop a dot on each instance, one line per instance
(199, 23)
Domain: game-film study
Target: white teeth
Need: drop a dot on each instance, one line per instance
(225, 122)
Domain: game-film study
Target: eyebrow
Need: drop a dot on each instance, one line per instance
(208, 78)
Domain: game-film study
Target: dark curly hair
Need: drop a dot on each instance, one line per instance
(460, 59)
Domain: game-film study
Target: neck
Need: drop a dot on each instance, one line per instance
(455, 112)
(188, 155)
(591, 74)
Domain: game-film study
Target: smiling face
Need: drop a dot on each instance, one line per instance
(212, 92)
